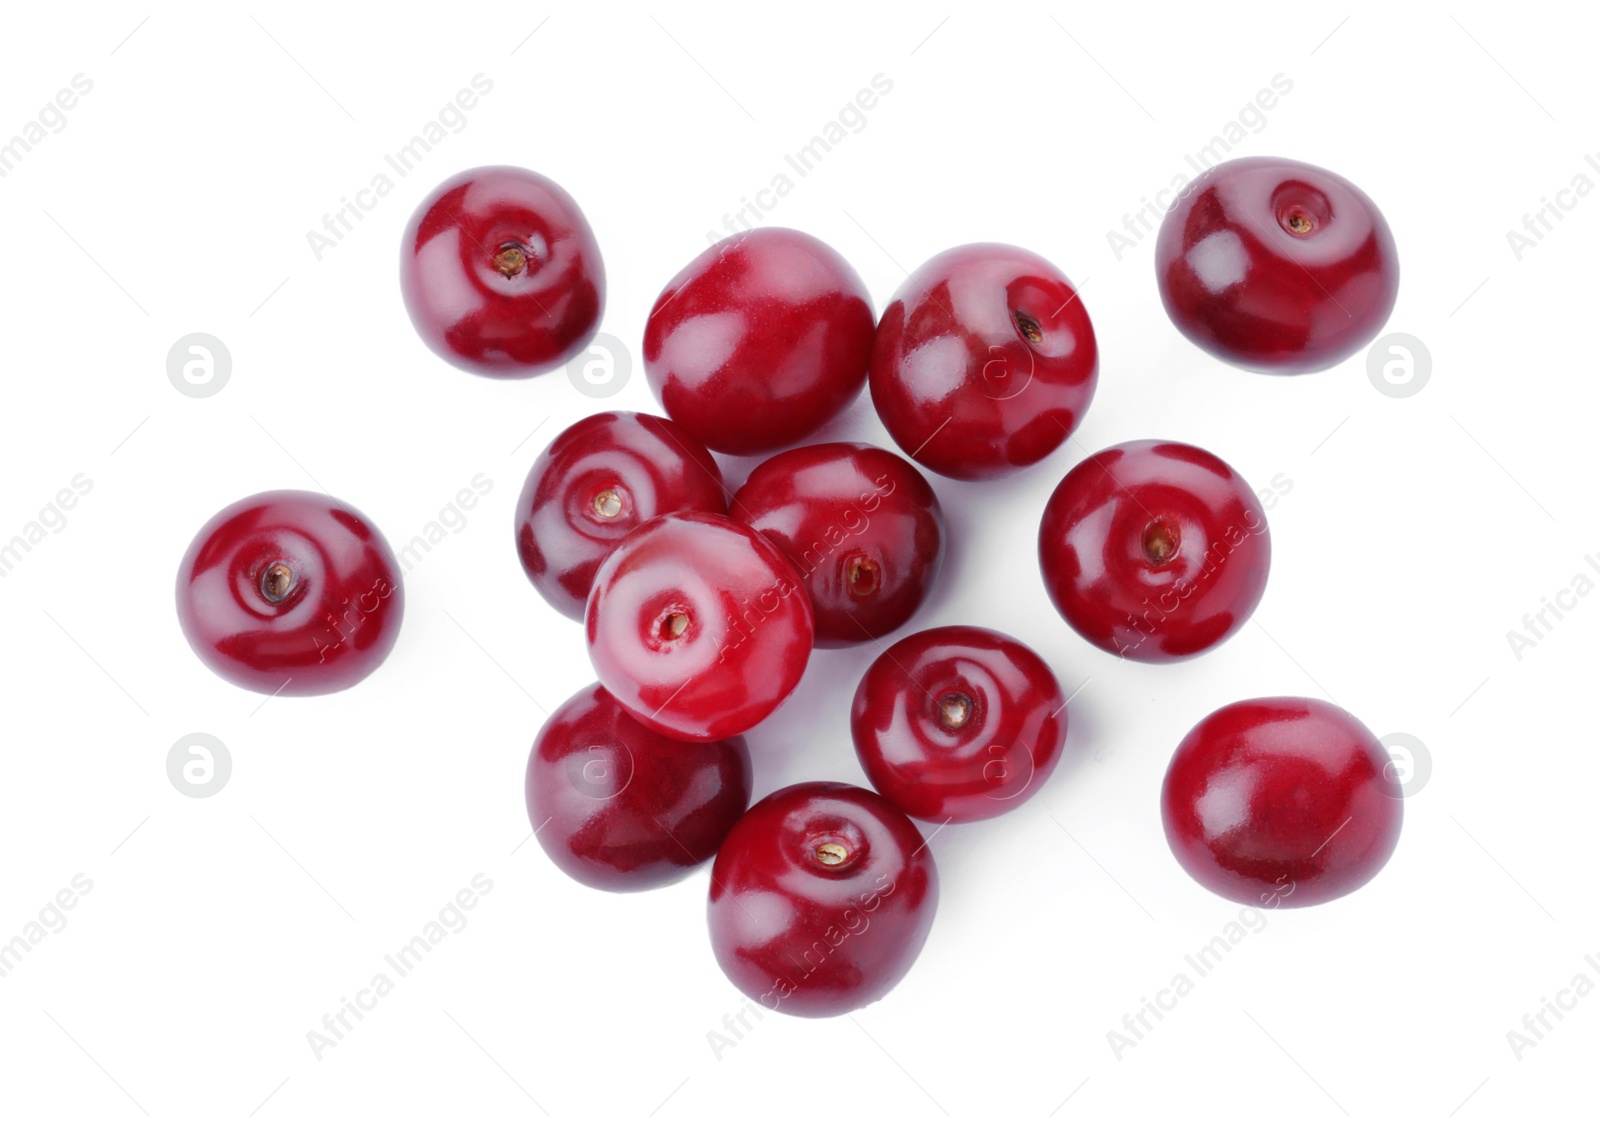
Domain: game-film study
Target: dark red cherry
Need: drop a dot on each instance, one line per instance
(861, 526)
(984, 362)
(621, 807)
(291, 593)
(597, 481)
(1277, 266)
(1282, 802)
(501, 274)
(821, 898)
(1154, 550)
(698, 626)
(760, 341)
(958, 723)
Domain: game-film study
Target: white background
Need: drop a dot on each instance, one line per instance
(1417, 533)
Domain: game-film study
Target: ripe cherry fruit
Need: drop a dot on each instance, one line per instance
(698, 626)
(1283, 802)
(958, 723)
(821, 898)
(621, 807)
(1154, 550)
(290, 592)
(760, 341)
(862, 527)
(597, 481)
(501, 274)
(1277, 266)
(984, 362)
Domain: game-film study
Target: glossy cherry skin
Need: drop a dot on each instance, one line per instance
(698, 626)
(760, 341)
(1276, 266)
(958, 723)
(501, 274)
(1154, 550)
(290, 593)
(984, 362)
(597, 481)
(862, 527)
(624, 808)
(821, 898)
(1283, 802)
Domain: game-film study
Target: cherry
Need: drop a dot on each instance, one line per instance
(958, 723)
(1287, 802)
(1277, 266)
(1154, 550)
(621, 807)
(821, 898)
(290, 592)
(861, 526)
(501, 274)
(597, 481)
(984, 362)
(698, 626)
(760, 341)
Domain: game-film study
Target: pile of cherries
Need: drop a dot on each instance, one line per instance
(701, 610)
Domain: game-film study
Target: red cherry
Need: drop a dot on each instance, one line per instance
(984, 362)
(821, 898)
(958, 723)
(861, 526)
(621, 807)
(760, 341)
(1285, 802)
(290, 592)
(698, 626)
(596, 482)
(1154, 550)
(501, 274)
(1277, 266)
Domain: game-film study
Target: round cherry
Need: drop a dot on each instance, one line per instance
(1277, 266)
(760, 341)
(597, 481)
(958, 723)
(862, 527)
(821, 899)
(698, 626)
(621, 807)
(501, 274)
(984, 362)
(1285, 802)
(1154, 550)
(290, 593)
